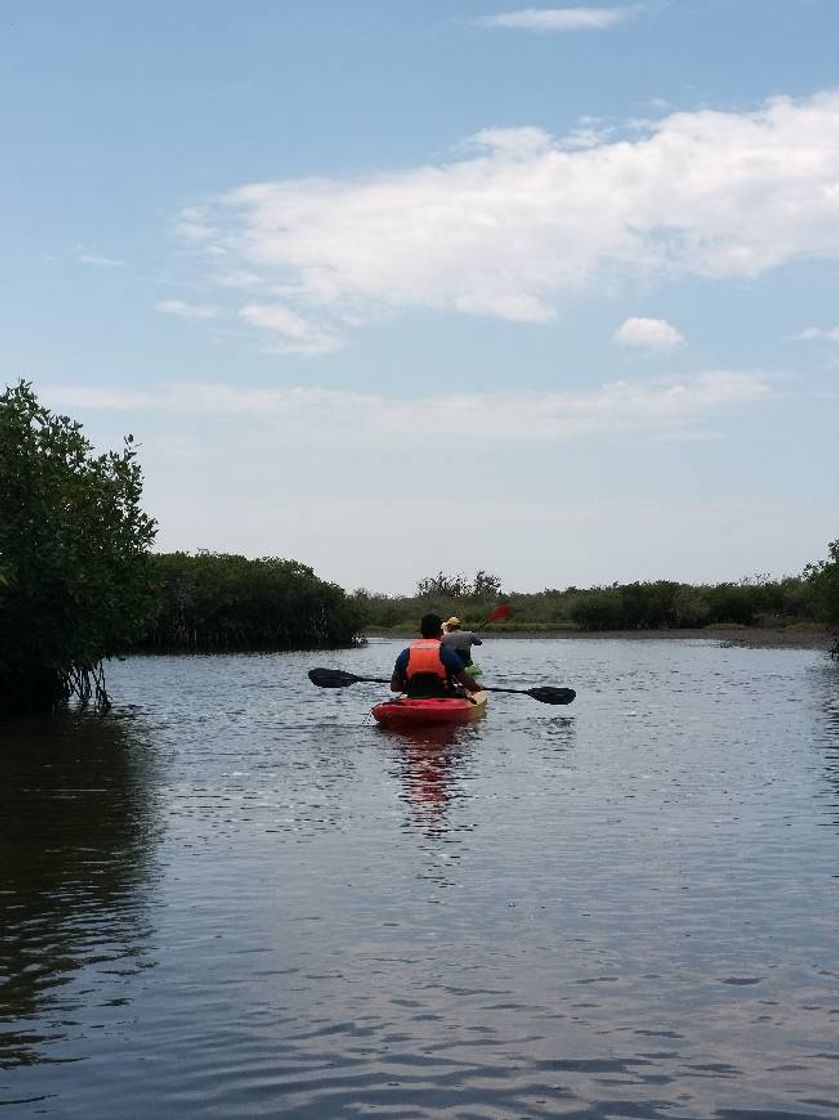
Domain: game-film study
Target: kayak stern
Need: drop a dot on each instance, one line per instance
(406, 712)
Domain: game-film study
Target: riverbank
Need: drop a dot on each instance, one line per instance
(752, 637)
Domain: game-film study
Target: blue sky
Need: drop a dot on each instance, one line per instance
(390, 287)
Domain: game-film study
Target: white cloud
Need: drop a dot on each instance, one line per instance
(186, 310)
(294, 334)
(99, 261)
(192, 225)
(520, 221)
(812, 334)
(238, 278)
(518, 142)
(664, 408)
(648, 334)
(552, 20)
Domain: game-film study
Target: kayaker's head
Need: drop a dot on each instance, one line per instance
(431, 626)
(453, 623)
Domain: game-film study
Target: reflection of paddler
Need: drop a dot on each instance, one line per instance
(427, 774)
(461, 641)
(426, 781)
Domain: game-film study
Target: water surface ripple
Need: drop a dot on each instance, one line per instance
(237, 897)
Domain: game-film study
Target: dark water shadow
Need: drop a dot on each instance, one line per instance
(827, 680)
(555, 733)
(77, 837)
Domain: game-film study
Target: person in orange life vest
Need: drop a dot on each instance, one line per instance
(426, 668)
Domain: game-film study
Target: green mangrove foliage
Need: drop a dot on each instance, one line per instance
(659, 604)
(483, 586)
(823, 586)
(73, 556)
(212, 601)
(666, 605)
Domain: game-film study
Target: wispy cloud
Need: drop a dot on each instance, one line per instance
(547, 21)
(648, 334)
(98, 260)
(238, 278)
(192, 225)
(814, 334)
(292, 333)
(186, 310)
(666, 408)
(522, 220)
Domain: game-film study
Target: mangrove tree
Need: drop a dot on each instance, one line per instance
(73, 556)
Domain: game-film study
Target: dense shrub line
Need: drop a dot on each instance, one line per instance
(665, 604)
(811, 598)
(215, 601)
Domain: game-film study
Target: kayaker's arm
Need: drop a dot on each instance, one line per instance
(400, 677)
(468, 681)
(454, 664)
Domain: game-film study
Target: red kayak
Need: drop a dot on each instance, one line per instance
(403, 712)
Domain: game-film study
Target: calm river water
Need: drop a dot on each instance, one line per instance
(237, 898)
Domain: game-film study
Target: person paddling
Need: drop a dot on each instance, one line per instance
(461, 641)
(427, 668)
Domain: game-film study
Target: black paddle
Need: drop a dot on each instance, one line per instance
(337, 678)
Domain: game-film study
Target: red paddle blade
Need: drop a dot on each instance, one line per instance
(504, 611)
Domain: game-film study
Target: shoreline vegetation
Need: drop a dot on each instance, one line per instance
(213, 602)
(74, 546)
(793, 612)
(217, 602)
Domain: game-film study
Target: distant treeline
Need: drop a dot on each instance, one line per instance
(812, 598)
(213, 601)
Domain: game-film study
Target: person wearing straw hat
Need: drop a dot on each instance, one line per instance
(461, 641)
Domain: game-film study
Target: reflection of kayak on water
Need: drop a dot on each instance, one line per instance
(407, 712)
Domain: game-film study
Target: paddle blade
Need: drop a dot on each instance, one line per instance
(504, 611)
(548, 695)
(331, 678)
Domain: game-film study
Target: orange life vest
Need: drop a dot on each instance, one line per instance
(424, 657)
